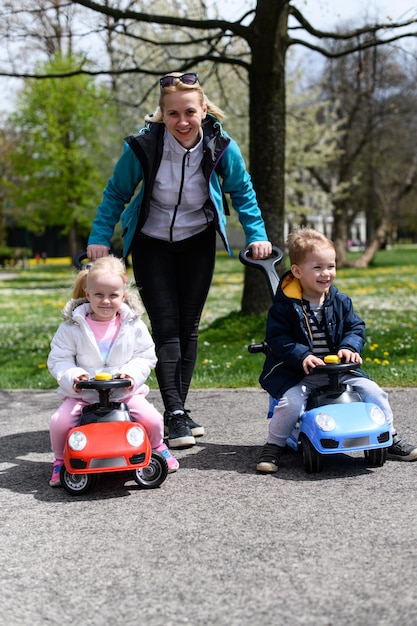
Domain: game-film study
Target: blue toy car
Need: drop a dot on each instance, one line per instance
(336, 420)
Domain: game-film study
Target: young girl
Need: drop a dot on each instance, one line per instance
(102, 330)
(184, 162)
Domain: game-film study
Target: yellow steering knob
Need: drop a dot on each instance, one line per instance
(331, 358)
(103, 376)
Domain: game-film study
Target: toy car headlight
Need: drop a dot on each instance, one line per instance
(135, 436)
(77, 441)
(377, 415)
(325, 421)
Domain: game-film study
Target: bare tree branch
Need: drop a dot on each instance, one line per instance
(365, 45)
(347, 35)
(224, 25)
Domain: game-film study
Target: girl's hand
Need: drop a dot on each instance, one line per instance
(310, 362)
(77, 380)
(126, 376)
(261, 249)
(349, 357)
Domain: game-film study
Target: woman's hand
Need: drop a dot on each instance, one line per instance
(261, 249)
(96, 251)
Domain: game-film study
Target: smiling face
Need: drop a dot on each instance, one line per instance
(182, 114)
(316, 273)
(106, 294)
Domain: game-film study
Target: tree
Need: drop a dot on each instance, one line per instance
(373, 95)
(267, 35)
(57, 152)
(313, 134)
(6, 147)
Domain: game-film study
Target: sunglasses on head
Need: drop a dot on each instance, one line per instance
(190, 78)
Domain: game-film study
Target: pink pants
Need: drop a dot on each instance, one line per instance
(68, 416)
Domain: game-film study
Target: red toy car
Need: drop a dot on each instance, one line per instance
(107, 440)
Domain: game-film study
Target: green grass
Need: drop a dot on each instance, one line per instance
(385, 295)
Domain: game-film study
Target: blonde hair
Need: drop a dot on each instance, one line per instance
(303, 241)
(105, 265)
(212, 108)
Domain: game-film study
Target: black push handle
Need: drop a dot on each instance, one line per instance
(267, 266)
(78, 259)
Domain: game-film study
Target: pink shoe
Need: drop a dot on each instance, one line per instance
(172, 462)
(56, 470)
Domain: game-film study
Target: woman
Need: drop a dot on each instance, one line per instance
(185, 163)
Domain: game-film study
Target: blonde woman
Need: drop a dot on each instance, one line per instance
(184, 162)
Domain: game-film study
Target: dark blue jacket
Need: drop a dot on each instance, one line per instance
(289, 337)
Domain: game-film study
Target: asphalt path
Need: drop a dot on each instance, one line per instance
(217, 544)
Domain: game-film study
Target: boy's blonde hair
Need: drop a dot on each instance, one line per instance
(105, 265)
(303, 241)
(179, 86)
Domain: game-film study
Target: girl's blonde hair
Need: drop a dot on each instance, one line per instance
(212, 108)
(105, 265)
(303, 241)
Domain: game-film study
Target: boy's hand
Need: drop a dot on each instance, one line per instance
(310, 362)
(349, 357)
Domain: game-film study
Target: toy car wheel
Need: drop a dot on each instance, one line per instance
(77, 484)
(376, 458)
(154, 474)
(311, 458)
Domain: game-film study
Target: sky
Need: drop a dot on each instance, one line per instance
(327, 13)
(322, 14)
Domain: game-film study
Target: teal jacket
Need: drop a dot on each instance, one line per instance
(127, 194)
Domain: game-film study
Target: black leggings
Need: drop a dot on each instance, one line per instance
(173, 281)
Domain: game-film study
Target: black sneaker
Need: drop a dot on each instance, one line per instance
(268, 461)
(401, 450)
(196, 429)
(179, 433)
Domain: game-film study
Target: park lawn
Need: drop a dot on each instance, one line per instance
(384, 295)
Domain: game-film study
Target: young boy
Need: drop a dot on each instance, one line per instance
(309, 319)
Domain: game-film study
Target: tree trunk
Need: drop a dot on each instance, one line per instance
(340, 233)
(269, 43)
(73, 245)
(371, 250)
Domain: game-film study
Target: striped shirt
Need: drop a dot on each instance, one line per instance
(315, 320)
